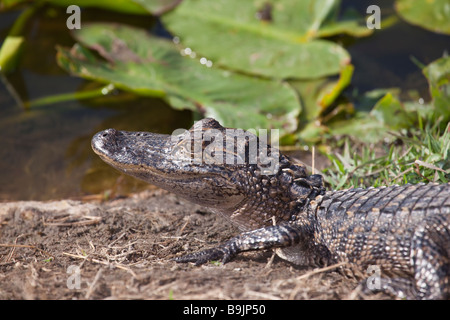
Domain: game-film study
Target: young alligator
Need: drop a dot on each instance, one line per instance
(402, 230)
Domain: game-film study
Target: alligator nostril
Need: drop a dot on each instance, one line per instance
(105, 141)
(109, 133)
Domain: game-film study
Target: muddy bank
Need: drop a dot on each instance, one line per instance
(121, 249)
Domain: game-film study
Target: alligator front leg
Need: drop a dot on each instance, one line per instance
(259, 239)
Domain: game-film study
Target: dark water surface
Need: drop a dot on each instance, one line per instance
(45, 151)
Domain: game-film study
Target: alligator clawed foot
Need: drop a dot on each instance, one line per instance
(222, 254)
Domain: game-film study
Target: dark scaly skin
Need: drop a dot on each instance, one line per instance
(402, 230)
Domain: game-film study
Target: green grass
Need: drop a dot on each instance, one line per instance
(421, 156)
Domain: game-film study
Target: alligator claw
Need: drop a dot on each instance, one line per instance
(201, 257)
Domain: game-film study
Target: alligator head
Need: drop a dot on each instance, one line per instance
(229, 170)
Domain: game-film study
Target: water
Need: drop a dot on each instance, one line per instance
(45, 151)
(386, 59)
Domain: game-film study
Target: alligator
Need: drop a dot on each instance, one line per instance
(404, 231)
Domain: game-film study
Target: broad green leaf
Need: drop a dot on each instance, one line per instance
(321, 10)
(362, 126)
(318, 94)
(438, 75)
(309, 92)
(433, 15)
(148, 65)
(229, 33)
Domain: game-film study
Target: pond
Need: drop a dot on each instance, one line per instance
(45, 149)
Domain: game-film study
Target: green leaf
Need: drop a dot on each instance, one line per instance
(438, 75)
(229, 33)
(318, 94)
(144, 7)
(58, 98)
(309, 92)
(312, 132)
(351, 28)
(352, 24)
(138, 62)
(123, 6)
(362, 126)
(9, 53)
(12, 46)
(333, 92)
(433, 15)
(157, 7)
(390, 111)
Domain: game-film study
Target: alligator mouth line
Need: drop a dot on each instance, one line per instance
(181, 177)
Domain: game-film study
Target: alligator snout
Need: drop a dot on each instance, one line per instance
(104, 141)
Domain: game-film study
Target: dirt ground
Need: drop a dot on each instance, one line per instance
(122, 249)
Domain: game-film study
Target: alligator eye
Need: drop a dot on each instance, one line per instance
(316, 180)
(180, 152)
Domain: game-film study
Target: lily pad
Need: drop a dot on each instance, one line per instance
(433, 15)
(273, 39)
(139, 62)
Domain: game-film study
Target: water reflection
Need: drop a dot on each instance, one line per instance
(46, 152)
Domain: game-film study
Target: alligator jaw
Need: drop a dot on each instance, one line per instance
(242, 191)
(149, 157)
